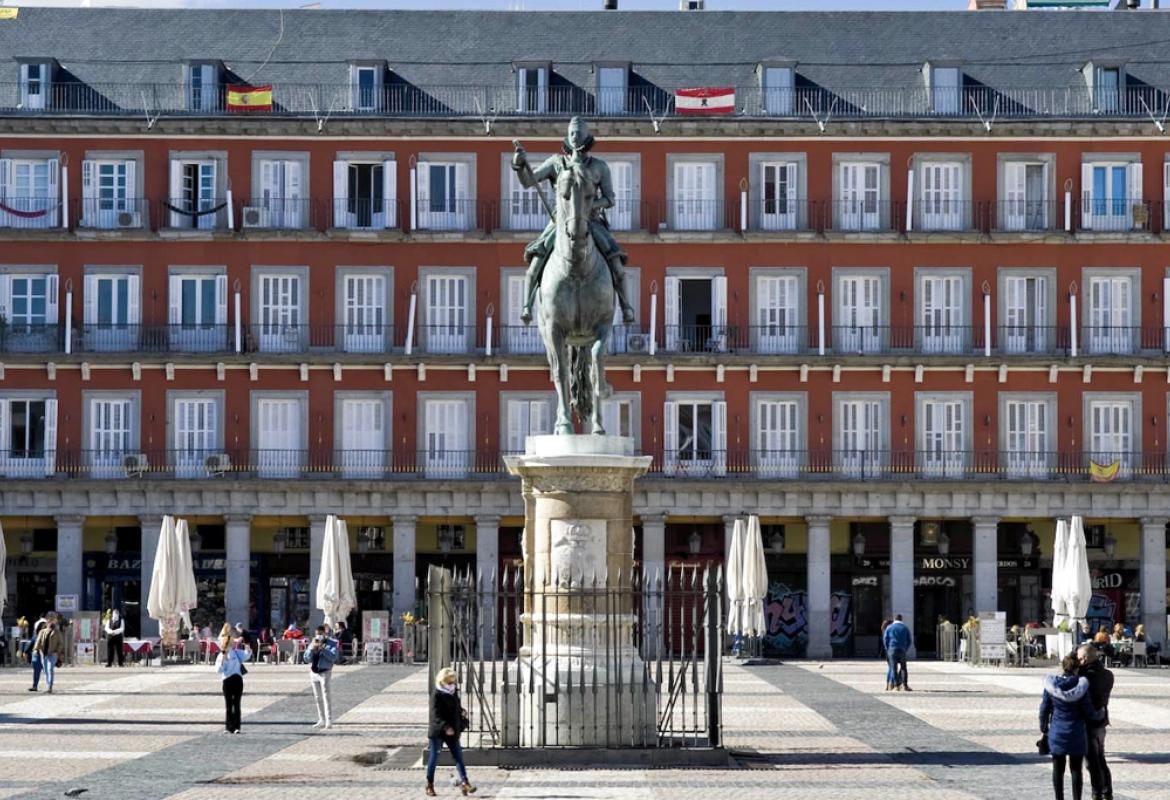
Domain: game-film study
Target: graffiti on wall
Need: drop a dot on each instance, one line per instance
(786, 613)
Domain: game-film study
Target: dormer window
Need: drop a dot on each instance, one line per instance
(36, 81)
(1108, 90)
(945, 86)
(203, 87)
(611, 90)
(532, 89)
(779, 89)
(366, 81)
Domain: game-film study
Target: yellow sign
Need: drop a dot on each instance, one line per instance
(9, 13)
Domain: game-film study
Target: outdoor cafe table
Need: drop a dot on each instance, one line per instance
(140, 647)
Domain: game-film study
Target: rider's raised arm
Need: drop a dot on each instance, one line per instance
(546, 171)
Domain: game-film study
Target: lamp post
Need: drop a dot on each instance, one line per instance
(279, 540)
(111, 542)
(859, 544)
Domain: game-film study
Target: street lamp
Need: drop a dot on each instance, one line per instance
(26, 543)
(111, 542)
(196, 542)
(279, 540)
(777, 542)
(1109, 545)
(859, 544)
(944, 544)
(1026, 543)
(695, 542)
(446, 538)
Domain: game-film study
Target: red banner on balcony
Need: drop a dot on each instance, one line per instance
(705, 101)
(249, 98)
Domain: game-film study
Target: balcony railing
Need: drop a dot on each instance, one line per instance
(486, 463)
(28, 213)
(179, 213)
(177, 338)
(112, 213)
(399, 99)
(23, 337)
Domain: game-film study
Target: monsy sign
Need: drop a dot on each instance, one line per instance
(944, 563)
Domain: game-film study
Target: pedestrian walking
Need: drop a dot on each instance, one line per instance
(1100, 687)
(898, 640)
(48, 649)
(448, 721)
(115, 630)
(321, 655)
(1065, 707)
(229, 664)
(884, 656)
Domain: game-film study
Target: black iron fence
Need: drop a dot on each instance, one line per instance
(582, 660)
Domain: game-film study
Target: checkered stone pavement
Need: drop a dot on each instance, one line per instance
(816, 731)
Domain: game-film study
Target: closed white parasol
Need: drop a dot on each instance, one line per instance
(187, 596)
(1078, 584)
(1059, 552)
(735, 593)
(336, 595)
(755, 578)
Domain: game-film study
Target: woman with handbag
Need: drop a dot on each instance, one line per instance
(229, 664)
(448, 721)
(1064, 707)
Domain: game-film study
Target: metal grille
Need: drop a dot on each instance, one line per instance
(619, 663)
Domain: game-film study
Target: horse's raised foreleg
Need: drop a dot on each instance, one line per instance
(601, 388)
(560, 362)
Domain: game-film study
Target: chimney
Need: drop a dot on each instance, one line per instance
(987, 5)
(609, 5)
(692, 5)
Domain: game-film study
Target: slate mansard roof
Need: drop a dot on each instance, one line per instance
(834, 52)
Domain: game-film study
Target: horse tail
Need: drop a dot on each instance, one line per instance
(581, 383)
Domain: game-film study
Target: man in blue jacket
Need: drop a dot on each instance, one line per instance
(898, 640)
(321, 655)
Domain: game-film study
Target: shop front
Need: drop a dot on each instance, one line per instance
(31, 570)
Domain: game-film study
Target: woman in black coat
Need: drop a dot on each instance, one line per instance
(447, 722)
(1065, 706)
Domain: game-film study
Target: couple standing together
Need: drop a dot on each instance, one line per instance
(1074, 712)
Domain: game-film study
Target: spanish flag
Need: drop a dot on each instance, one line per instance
(1104, 473)
(249, 98)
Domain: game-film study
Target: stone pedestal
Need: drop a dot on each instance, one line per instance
(588, 682)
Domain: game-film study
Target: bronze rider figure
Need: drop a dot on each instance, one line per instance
(577, 144)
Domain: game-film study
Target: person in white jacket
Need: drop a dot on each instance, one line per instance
(115, 631)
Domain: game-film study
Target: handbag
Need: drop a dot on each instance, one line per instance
(464, 720)
(1042, 745)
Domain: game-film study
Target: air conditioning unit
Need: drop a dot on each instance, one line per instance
(217, 464)
(128, 219)
(256, 217)
(135, 465)
(637, 343)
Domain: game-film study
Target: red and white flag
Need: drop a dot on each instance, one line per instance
(705, 101)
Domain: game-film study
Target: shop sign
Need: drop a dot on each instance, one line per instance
(66, 603)
(944, 563)
(200, 564)
(936, 580)
(1108, 580)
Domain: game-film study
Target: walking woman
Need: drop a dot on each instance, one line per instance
(447, 722)
(230, 666)
(1064, 708)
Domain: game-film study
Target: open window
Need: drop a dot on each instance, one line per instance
(36, 84)
(696, 313)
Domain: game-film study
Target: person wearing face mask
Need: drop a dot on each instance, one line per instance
(115, 631)
(321, 655)
(448, 720)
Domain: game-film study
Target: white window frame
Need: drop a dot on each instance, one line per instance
(192, 462)
(522, 208)
(944, 453)
(1114, 330)
(1030, 326)
(943, 189)
(280, 319)
(1018, 210)
(115, 334)
(675, 341)
(778, 454)
(458, 212)
(210, 187)
(515, 336)
(42, 98)
(1110, 213)
(105, 455)
(859, 333)
(46, 208)
(201, 80)
(453, 331)
(374, 102)
(280, 191)
(1100, 406)
(385, 216)
(611, 416)
(702, 463)
(782, 328)
(44, 465)
(361, 453)
(526, 101)
(611, 96)
(525, 414)
(864, 453)
(625, 170)
(365, 324)
(946, 90)
(197, 335)
(943, 329)
(284, 462)
(861, 190)
(1034, 461)
(29, 334)
(778, 84)
(693, 205)
(437, 459)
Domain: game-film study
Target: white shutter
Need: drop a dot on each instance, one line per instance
(464, 210)
(517, 419)
(5, 294)
(1087, 196)
(54, 192)
(50, 436)
(89, 302)
(175, 190)
(390, 193)
(5, 177)
(719, 437)
(132, 203)
(669, 438)
(1166, 193)
(671, 297)
(422, 171)
(51, 292)
(270, 193)
(1134, 175)
(720, 305)
(133, 293)
(221, 299)
(341, 216)
(292, 181)
(1166, 312)
(1015, 196)
(5, 436)
(89, 204)
(621, 216)
(610, 416)
(176, 300)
